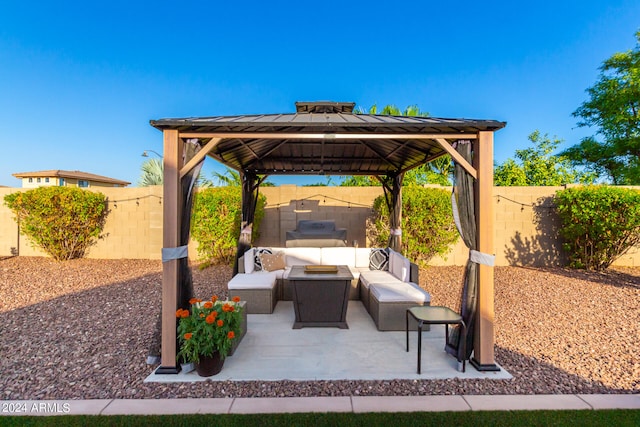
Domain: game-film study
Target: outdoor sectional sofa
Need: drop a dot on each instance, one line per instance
(386, 287)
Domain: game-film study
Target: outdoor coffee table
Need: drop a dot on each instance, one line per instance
(320, 295)
(435, 315)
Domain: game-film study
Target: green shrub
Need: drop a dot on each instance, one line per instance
(427, 223)
(215, 223)
(598, 224)
(63, 221)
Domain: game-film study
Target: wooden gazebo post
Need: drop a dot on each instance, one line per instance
(172, 189)
(483, 359)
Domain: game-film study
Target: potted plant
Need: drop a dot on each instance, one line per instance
(207, 331)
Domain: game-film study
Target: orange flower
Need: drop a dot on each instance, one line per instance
(201, 314)
(179, 313)
(214, 298)
(208, 304)
(214, 314)
(185, 313)
(227, 308)
(236, 299)
(210, 319)
(220, 323)
(193, 301)
(188, 336)
(231, 335)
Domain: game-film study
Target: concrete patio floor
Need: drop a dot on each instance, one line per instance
(271, 351)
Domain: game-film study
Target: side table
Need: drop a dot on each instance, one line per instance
(436, 315)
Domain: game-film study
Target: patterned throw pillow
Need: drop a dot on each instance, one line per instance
(272, 262)
(379, 259)
(256, 258)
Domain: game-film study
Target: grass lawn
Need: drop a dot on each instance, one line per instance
(482, 418)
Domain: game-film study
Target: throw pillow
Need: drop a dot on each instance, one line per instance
(272, 262)
(379, 259)
(256, 258)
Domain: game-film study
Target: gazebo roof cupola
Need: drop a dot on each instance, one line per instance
(325, 107)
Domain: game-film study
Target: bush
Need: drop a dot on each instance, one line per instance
(427, 223)
(598, 224)
(63, 221)
(215, 223)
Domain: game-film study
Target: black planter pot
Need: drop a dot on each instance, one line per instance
(209, 365)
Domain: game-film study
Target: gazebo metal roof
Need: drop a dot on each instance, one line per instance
(325, 138)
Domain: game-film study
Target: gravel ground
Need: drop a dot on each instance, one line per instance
(82, 330)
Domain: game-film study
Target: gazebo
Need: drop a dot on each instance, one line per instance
(328, 138)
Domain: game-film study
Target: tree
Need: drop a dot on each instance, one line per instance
(427, 223)
(599, 224)
(509, 174)
(613, 109)
(438, 171)
(152, 173)
(231, 178)
(538, 166)
(392, 110)
(62, 221)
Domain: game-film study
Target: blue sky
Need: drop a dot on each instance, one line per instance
(79, 81)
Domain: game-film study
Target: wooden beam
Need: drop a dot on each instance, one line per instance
(326, 136)
(173, 149)
(484, 359)
(457, 157)
(199, 156)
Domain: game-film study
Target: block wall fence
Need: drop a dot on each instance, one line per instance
(525, 226)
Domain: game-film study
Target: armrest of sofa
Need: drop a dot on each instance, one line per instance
(241, 264)
(414, 274)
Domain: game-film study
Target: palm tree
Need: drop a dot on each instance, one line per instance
(231, 178)
(152, 173)
(392, 110)
(438, 171)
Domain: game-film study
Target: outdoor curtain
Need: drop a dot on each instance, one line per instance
(466, 222)
(185, 280)
(250, 191)
(188, 183)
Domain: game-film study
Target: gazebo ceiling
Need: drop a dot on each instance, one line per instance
(325, 138)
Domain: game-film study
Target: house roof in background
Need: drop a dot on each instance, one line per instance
(70, 174)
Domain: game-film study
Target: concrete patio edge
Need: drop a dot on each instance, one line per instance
(355, 404)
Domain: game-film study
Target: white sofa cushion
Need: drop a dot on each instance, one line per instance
(362, 257)
(377, 276)
(399, 266)
(257, 280)
(302, 256)
(391, 259)
(249, 261)
(338, 256)
(399, 292)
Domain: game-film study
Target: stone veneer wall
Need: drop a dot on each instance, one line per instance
(525, 227)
